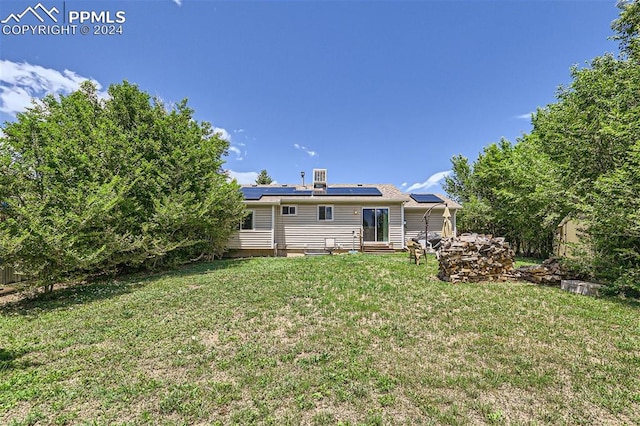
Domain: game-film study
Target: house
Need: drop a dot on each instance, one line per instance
(286, 219)
(427, 210)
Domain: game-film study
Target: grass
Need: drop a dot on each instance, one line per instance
(527, 261)
(348, 340)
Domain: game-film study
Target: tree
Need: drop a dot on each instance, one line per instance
(613, 224)
(581, 158)
(506, 192)
(627, 28)
(100, 186)
(591, 138)
(595, 121)
(264, 178)
(459, 184)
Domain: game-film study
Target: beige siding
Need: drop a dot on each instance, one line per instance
(260, 237)
(395, 226)
(305, 231)
(415, 223)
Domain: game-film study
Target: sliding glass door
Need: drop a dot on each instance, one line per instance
(375, 225)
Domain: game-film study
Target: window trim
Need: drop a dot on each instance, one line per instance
(289, 207)
(253, 222)
(325, 213)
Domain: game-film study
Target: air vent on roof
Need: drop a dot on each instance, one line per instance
(319, 179)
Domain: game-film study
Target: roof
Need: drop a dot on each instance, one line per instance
(279, 194)
(425, 201)
(341, 193)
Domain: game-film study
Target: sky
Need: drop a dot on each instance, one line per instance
(372, 91)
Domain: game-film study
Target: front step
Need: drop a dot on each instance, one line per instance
(380, 248)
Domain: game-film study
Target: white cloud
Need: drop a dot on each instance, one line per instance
(526, 116)
(178, 2)
(433, 180)
(310, 152)
(237, 151)
(21, 82)
(14, 99)
(238, 130)
(225, 135)
(222, 133)
(403, 184)
(243, 178)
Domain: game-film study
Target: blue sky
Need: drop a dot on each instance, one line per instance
(375, 92)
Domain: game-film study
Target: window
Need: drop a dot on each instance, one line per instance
(247, 222)
(325, 212)
(288, 210)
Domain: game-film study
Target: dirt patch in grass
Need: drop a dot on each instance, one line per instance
(210, 339)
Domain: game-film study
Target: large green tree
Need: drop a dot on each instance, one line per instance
(93, 186)
(506, 192)
(613, 217)
(581, 160)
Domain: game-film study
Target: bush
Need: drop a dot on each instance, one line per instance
(627, 284)
(95, 186)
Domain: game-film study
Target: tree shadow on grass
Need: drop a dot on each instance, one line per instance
(10, 359)
(106, 288)
(624, 301)
(204, 268)
(31, 303)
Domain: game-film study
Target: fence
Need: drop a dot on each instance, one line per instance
(8, 276)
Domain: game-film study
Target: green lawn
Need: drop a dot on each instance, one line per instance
(348, 339)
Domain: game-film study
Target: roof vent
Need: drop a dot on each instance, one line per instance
(319, 179)
(359, 184)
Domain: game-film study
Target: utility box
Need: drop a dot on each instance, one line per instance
(581, 287)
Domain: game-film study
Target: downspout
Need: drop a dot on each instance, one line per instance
(274, 245)
(404, 225)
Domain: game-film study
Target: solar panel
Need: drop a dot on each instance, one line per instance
(353, 190)
(426, 198)
(257, 192)
(281, 190)
(252, 193)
